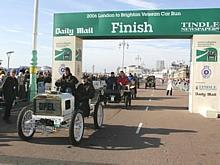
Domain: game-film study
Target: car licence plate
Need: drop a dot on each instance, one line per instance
(112, 98)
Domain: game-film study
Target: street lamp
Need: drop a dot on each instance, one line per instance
(8, 55)
(138, 58)
(33, 68)
(123, 44)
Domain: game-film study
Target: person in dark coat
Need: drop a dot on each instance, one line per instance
(10, 92)
(112, 82)
(40, 83)
(67, 82)
(84, 92)
(27, 82)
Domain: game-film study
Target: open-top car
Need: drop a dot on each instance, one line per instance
(118, 94)
(150, 82)
(54, 110)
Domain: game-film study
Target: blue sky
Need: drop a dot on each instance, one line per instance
(16, 18)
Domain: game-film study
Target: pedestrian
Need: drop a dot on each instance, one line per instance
(10, 93)
(47, 81)
(21, 85)
(2, 80)
(67, 82)
(27, 82)
(169, 87)
(85, 91)
(40, 83)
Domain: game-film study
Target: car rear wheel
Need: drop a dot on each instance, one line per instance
(98, 116)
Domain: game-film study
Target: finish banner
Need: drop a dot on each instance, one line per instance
(177, 23)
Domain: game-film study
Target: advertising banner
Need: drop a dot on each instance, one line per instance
(176, 23)
(205, 76)
(67, 52)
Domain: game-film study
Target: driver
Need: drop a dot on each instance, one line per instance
(67, 82)
(84, 92)
(112, 82)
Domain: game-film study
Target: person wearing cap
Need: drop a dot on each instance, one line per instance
(67, 82)
(84, 92)
(111, 82)
(10, 93)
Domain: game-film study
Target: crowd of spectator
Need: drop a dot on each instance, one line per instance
(181, 84)
(23, 78)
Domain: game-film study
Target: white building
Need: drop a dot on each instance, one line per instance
(135, 69)
(160, 65)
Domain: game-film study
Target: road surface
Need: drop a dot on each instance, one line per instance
(158, 129)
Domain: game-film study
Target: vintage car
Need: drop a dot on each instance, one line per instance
(150, 82)
(118, 94)
(53, 110)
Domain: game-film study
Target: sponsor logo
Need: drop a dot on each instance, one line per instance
(206, 72)
(84, 30)
(200, 26)
(78, 54)
(64, 31)
(61, 69)
(206, 87)
(64, 54)
(207, 55)
(119, 27)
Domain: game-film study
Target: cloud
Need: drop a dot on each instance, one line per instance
(13, 30)
(140, 3)
(46, 11)
(23, 42)
(78, 6)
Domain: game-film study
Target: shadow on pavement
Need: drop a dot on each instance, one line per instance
(168, 108)
(157, 108)
(11, 128)
(137, 108)
(116, 137)
(155, 98)
(8, 128)
(113, 106)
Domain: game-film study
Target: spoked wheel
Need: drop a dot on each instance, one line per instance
(76, 128)
(25, 125)
(98, 116)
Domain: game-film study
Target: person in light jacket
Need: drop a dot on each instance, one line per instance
(170, 87)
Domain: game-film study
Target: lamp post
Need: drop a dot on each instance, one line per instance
(33, 68)
(9, 55)
(123, 44)
(138, 58)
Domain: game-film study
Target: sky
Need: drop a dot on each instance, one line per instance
(16, 19)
